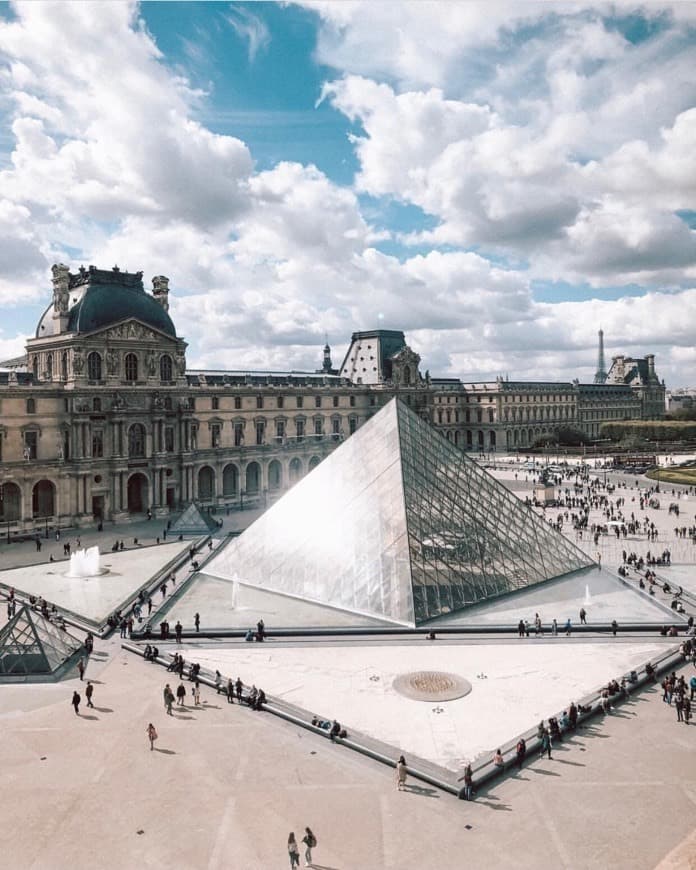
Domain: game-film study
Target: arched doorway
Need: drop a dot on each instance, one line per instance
(10, 502)
(43, 499)
(230, 480)
(295, 470)
(253, 478)
(138, 501)
(206, 483)
(313, 462)
(275, 475)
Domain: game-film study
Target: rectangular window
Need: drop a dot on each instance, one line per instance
(259, 402)
(318, 426)
(335, 401)
(215, 403)
(317, 401)
(280, 430)
(31, 440)
(260, 432)
(335, 428)
(352, 425)
(215, 435)
(238, 434)
(300, 401)
(169, 439)
(281, 401)
(237, 403)
(372, 401)
(352, 401)
(299, 429)
(97, 443)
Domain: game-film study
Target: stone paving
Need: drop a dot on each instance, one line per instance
(226, 785)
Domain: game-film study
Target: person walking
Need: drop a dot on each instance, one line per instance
(239, 685)
(293, 851)
(310, 842)
(178, 628)
(180, 694)
(151, 735)
(81, 668)
(468, 778)
(89, 690)
(197, 621)
(76, 702)
(230, 691)
(197, 693)
(583, 616)
(545, 743)
(168, 698)
(401, 772)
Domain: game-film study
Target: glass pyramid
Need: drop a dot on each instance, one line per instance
(193, 522)
(30, 644)
(398, 524)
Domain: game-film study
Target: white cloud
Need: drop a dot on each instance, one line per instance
(250, 28)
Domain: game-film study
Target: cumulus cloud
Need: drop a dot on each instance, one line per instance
(551, 152)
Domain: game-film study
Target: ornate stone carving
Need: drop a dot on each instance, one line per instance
(112, 361)
(181, 362)
(61, 288)
(78, 361)
(151, 363)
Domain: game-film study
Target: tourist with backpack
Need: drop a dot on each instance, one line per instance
(310, 842)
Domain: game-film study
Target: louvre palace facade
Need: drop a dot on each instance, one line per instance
(102, 419)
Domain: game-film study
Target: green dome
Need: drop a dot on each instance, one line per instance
(105, 304)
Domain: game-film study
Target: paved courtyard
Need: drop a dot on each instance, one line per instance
(226, 785)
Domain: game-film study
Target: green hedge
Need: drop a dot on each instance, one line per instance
(650, 430)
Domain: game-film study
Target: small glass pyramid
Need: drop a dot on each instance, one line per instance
(30, 644)
(398, 524)
(193, 522)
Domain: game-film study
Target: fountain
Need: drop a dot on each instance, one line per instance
(588, 597)
(86, 563)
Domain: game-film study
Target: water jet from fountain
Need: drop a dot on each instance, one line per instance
(86, 563)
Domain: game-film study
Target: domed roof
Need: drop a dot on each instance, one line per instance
(105, 304)
(100, 298)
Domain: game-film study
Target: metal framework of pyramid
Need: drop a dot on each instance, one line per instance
(399, 524)
(193, 522)
(30, 645)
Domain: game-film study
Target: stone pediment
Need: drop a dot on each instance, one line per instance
(133, 330)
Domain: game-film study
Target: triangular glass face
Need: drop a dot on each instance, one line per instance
(338, 536)
(30, 644)
(399, 524)
(470, 539)
(193, 522)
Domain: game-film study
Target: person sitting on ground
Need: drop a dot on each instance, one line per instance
(249, 636)
(148, 653)
(260, 700)
(335, 730)
(155, 653)
(251, 697)
(650, 672)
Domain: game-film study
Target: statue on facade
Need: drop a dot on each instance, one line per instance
(112, 361)
(181, 362)
(117, 402)
(151, 363)
(157, 402)
(78, 361)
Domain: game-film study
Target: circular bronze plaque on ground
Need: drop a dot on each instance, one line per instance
(431, 686)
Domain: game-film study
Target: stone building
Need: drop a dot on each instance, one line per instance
(639, 374)
(102, 419)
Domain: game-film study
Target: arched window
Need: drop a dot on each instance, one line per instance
(31, 406)
(64, 366)
(131, 367)
(407, 375)
(35, 368)
(136, 440)
(49, 366)
(94, 366)
(165, 367)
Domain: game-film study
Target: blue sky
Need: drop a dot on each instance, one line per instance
(498, 180)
